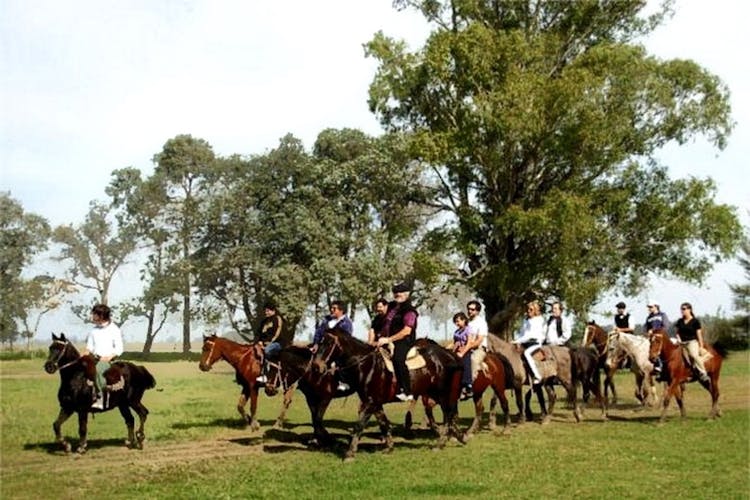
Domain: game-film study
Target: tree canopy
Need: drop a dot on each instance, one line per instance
(541, 121)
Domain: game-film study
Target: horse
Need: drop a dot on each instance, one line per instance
(293, 368)
(636, 348)
(678, 372)
(498, 375)
(125, 381)
(364, 369)
(563, 366)
(595, 336)
(245, 359)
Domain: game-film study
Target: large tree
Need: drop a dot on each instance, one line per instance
(22, 236)
(304, 228)
(181, 167)
(542, 121)
(94, 251)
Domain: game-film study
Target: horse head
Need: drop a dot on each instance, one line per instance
(329, 350)
(209, 353)
(656, 344)
(61, 354)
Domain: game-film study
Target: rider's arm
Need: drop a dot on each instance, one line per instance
(277, 327)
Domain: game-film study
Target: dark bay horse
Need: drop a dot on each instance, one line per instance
(595, 336)
(293, 368)
(498, 376)
(246, 362)
(363, 368)
(678, 372)
(125, 381)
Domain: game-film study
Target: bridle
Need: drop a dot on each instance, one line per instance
(56, 362)
(211, 352)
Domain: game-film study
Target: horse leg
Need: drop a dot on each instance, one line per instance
(527, 398)
(129, 423)
(244, 396)
(279, 424)
(385, 430)
(478, 411)
(364, 416)
(142, 413)
(552, 396)
(409, 417)
(665, 402)
(254, 424)
(499, 391)
(518, 395)
(57, 427)
(83, 443)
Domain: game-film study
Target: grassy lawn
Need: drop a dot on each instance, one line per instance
(196, 447)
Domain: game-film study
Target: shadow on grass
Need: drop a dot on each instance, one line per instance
(54, 448)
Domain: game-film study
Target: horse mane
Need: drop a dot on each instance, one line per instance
(349, 340)
(720, 349)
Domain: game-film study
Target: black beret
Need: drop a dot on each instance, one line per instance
(401, 287)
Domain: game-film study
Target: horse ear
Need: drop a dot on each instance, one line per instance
(62, 336)
(54, 337)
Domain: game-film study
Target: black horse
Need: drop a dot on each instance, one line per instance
(126, 382)
(364, 369)
(293, 367)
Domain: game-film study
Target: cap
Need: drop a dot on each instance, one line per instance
(652, 302)
(621, 305)
(401, 287)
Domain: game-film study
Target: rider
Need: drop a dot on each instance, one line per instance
(400, 328)
(558, 327)
(273, 335)
(655, 321)
(478, 334)
(462, 348)
(622, 319)
(531, 336)
(105, 344)
(376, 326)
(690, 334)
(336, 319)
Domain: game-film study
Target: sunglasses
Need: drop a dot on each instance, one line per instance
(471, 308)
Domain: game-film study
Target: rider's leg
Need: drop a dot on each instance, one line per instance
(693, 350)
(101, 367)
(400, 349)
(528, 354)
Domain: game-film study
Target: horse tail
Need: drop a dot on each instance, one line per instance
(720, 349)
(508, 369)
(141, 377)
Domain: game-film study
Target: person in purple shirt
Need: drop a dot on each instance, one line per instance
(463, 350)
(656, 320)
(400, 327)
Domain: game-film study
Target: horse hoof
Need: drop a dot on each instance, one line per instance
(348, 459)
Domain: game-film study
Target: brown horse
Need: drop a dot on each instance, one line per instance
(678, 372)
(499, 376)
(363, 368)
(595, 336)
(245, 359)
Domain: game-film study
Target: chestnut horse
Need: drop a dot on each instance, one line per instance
(245, 359)
(678, 372)
(363, 368)
(499, 376)
(126, 382)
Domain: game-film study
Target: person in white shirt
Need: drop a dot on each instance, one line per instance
(558, 327)
(531, 336)
(478, 333)
(105, 344)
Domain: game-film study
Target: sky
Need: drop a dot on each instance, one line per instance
(88, 87)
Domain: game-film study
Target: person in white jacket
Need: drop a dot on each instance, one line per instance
(105, 344)
(558, 327)
(531, 336)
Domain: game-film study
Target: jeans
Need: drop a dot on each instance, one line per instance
(466, 377)
(272, 350)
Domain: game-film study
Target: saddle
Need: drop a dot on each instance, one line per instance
(546, 361)
(704, 353)
(414, 360)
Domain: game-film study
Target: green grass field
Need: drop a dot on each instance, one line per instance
(196, 447)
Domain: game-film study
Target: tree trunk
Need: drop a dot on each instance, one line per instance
(149, 333)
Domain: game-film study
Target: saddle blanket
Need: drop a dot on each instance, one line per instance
(414, 360)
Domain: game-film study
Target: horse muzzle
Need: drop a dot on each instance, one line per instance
(50, 367)
(204, 367)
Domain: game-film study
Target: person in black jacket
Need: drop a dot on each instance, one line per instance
(400, 327)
